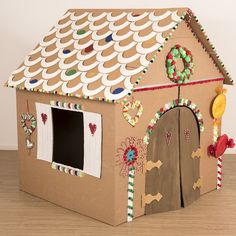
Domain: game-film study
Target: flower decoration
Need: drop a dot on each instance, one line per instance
(131, 154)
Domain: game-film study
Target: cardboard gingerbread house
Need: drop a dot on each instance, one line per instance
(119, 113)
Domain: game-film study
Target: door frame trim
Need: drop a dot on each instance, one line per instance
(168, 106)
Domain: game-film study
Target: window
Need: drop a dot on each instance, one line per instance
(69, 137)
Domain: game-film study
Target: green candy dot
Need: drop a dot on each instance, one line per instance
(168, 62)
(190, 65)
(187, 59)
(175, 52)
(187, 71)
(70, 72)
(79, 32)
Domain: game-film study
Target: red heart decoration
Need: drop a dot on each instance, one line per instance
(44, 117)
(93, 128)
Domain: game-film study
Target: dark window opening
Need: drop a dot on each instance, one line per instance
(68, 138)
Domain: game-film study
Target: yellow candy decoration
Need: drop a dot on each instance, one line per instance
(219, 104)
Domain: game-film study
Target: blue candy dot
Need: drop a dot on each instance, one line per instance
(117, 90)
(109, 38)
(33, 81)
(131, 155)
(66, 51)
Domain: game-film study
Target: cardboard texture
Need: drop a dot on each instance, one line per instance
(112, 64)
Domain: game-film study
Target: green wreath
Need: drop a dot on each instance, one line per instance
(173, 73)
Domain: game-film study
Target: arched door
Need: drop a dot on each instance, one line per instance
(174, 145)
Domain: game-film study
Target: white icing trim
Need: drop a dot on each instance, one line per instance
(52, 31)
(130, 16)
(49, 88)
(47, 75)
(27, 62)
(95, 36)
(93, 92)
(63, 35)
(46, 64)
(101, 58)
(118, 27)
(29, 74)
(87, 80)
(76, 18)
(126, 72)
(140, 39)
(128, 83)
(126, 60)
(96, 18)
(115, 18)
(121, 37)
(144, 61)
(59, 26)
(175, 17)
(107, 70)
(65, 66)
(94, 27)
(119, 48)
(154, 18)
(159, 38)
(135, 27)
(113, 82)
(82, 46)
(142, 50)
(98, 47)
(48, 43)
(74, 26)
(87, 56)
(64, 45)
(36, 50)
(44, 53)
(65, 15)
(65, 89)
(82, 67)
(18, 70)
(158, 28)
(10, 81)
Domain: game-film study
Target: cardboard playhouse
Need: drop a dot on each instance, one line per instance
(119, 113)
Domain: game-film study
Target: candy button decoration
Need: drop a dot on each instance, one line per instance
(178, 52)
(33, 81)
(109, 38)
(118, 90)
(89, 49)
(71, 72)
(219, 105)
(66, 51)
(80, 32)
(132, 105)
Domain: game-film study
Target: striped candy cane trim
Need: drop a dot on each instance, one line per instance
(219, 161)
(130, 194)
(72, 106)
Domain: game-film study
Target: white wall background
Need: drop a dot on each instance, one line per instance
(24, 23)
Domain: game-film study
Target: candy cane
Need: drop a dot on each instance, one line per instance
(219, 160)
(130, 194)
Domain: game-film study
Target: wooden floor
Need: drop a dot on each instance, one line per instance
(23, 214)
